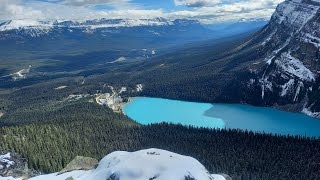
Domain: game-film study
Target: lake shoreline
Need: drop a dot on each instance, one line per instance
(147, 110)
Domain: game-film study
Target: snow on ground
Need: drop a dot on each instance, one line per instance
(123, 89)
(269, 37)
(76, 97)
(120, 59)
(295, 15)
(265, 85)
(22, 74)
(33, 27)
(309, 38)
(287, 87)
(308, 112)
(5, 161)
(269, 59)
(76, 175)
(139, 87)
(134, 23)
(141, 165)
(146, 164)
(294, 66)
(60, 87)
(46, 26)
(9, 178)
(17, 24)
(300, 85)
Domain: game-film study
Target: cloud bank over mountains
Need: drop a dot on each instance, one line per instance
(197, 3)
(206, 11)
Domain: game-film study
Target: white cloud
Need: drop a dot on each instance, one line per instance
(17, 9)
(132, 14)
(213, 11)
(196, 3)
(230, 11)
(92, 2)
(13, 9)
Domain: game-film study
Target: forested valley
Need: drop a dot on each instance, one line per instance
(50, 146)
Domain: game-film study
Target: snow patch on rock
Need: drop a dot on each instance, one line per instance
(300, 86)
(265, 85)
(287, 87)
(308, 112)
(120, 59)
(295, 13)
(295, 67)
(5, 161)
(139, 87)
(141, 165)
(312, 39)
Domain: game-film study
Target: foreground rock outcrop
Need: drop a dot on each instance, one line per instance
(80, 163)
(150, 164)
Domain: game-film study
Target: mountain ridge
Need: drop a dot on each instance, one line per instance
(29, 30)
(91, 24)
(37, 28)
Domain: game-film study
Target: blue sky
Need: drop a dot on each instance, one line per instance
(206, 11)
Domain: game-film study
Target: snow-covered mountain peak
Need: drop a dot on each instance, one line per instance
(20, 29)
(23, 23)
(295, 14)
(92, 24)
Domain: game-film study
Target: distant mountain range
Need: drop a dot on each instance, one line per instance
(188, 29)
(238, 27)
(37, 28)
(126, 33)
(15, 29)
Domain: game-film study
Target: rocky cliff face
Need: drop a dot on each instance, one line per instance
(286, 69)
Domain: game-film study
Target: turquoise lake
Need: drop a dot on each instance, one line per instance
(233, 116)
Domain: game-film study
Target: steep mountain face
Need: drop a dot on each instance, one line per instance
(287, 72)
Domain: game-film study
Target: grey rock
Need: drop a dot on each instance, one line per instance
(80, 163)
